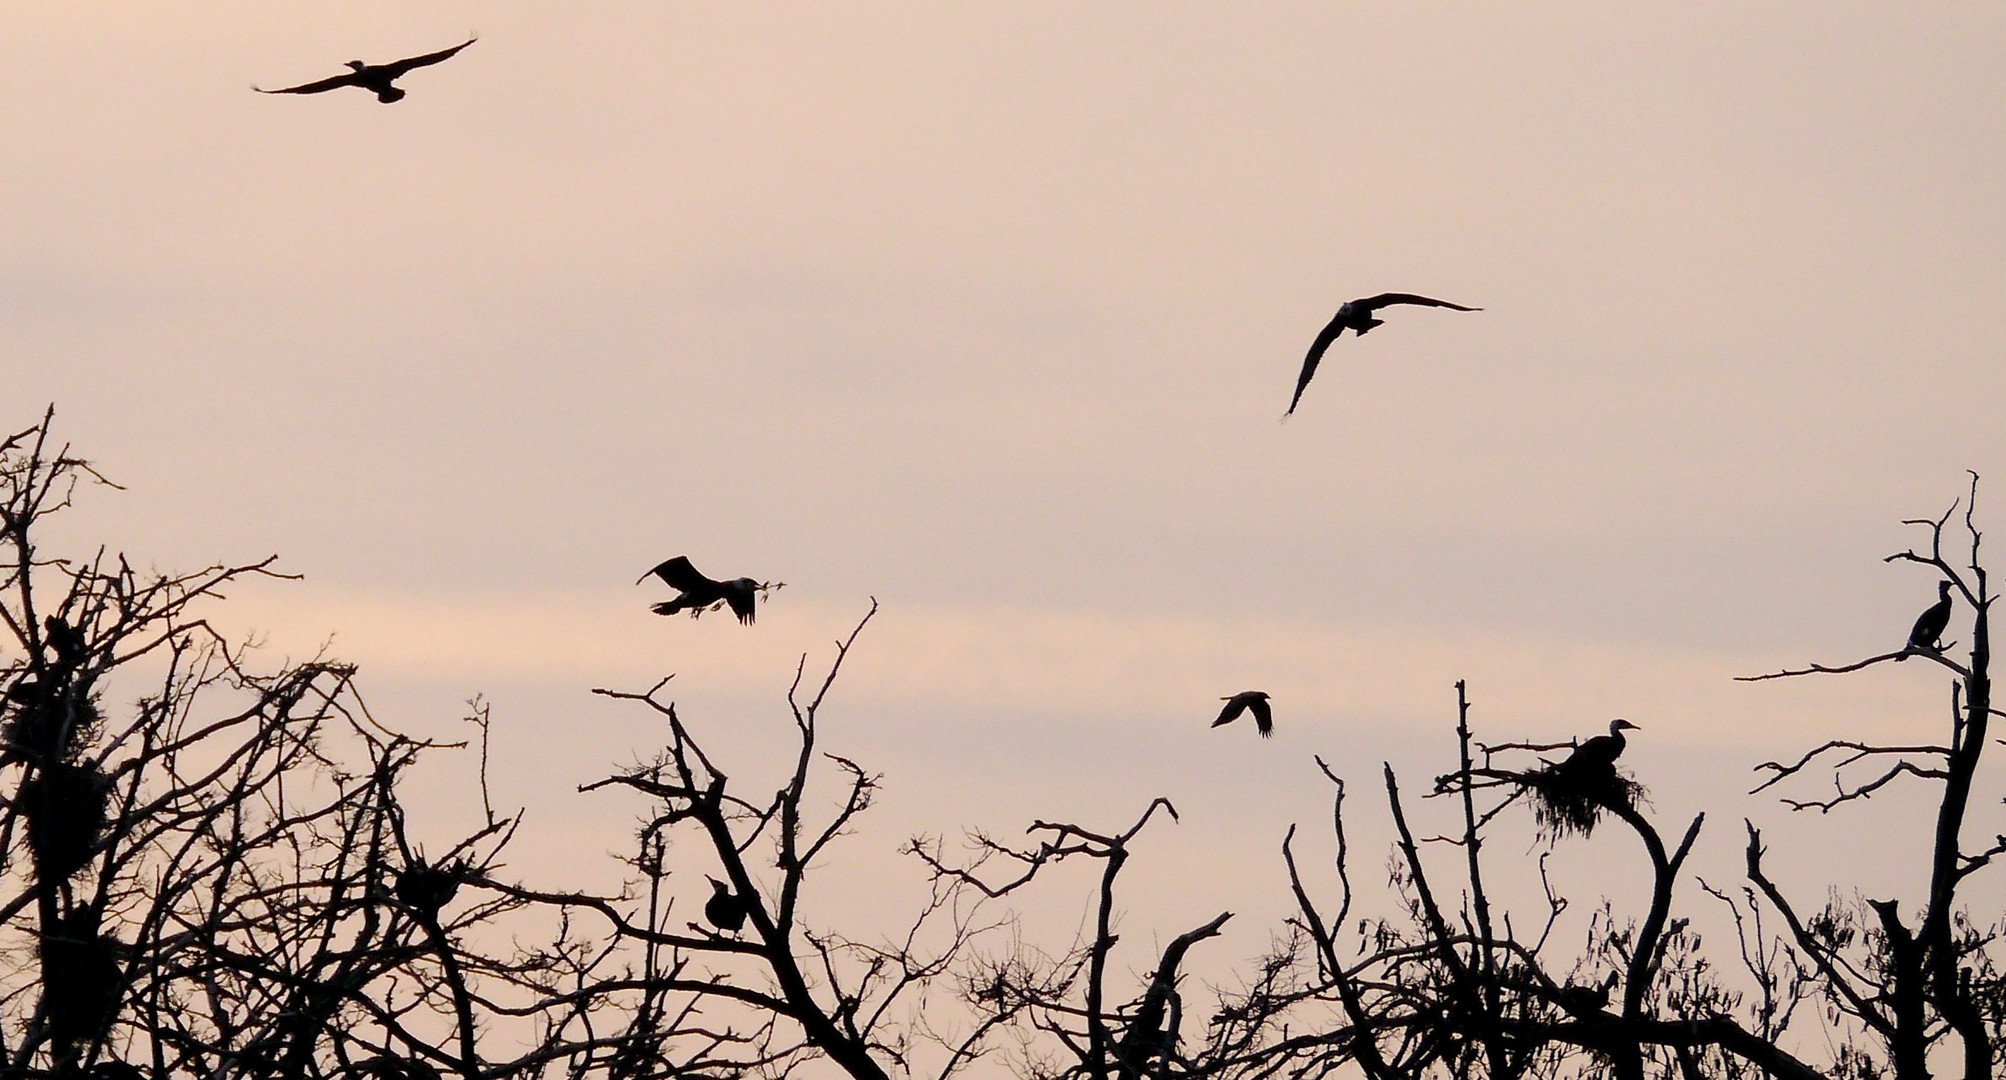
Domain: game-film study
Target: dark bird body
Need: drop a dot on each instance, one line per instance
(69, 645)
(1356, 316)
(1599, 753)
(1930, 625)
(1570, 795)
(700, 594)
(1254, 701)
(724, 909)
(375, 78)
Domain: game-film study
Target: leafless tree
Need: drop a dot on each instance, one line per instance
(207, 867)
(1909, 986)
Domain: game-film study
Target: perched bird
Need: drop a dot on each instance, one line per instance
(375, 78)
(69, 645)
(1255, 701)
(1570, 795)
(1356, 315)
(724, 909)
(1600, 752)
(1929, 626)
(700, 594)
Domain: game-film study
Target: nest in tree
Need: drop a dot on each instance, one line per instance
(1570, 799)
(65, 806)
(426, 889)
(82, 982)
(393, 1068)
(49, 722)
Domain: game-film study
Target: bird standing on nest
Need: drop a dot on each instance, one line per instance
(375, 78)
(1356, 316)
(1572, 793)
(1253, 701)
(1600, 752)
(1930, 625)
(700, 594)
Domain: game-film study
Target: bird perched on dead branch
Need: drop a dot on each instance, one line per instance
(1356, 316)
(1573, 792)
(375, 78)
(725, 909)
(1930, 625)
(1254, 701)
(69, 645)
(701, 594)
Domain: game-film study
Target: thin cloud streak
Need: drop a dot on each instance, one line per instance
(1327, 675)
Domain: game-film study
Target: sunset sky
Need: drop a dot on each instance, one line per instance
(992, 315)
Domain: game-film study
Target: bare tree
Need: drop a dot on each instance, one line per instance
(1910, 986)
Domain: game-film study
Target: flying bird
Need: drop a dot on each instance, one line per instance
(724, 909)
(1254, 701)
(375, 78)
(701, 594)
(1930, 625)
(1356, 315)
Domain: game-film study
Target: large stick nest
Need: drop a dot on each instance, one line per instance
(1568, 798)
(65, 806)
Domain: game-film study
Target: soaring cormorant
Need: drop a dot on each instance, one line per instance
(724, 909)
(375, 78)
(700, 593)
(1930, 625)
(1356, 315)
(1254, 701)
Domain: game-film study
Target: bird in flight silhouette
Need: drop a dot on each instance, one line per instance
(375, 78)
(1254, 701)
(1930, 625)
(700, 594)
(1356, 315)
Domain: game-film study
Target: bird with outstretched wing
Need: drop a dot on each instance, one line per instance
(376, 78)
(1356, 316)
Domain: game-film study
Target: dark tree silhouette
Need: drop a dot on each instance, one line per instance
(207, 868)
(1911, 986)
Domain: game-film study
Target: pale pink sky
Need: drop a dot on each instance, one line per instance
(992, 314)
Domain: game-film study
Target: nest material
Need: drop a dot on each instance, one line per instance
(82, 982)
(387, 1067)
(50, 723)
(426, 889)
(1569, 799)
(65, 806)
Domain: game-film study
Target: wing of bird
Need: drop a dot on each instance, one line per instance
(1373, 303)
(331, 83)
(741, 601)
(1234, 707)
(1316, 350)
(1264, 716)
(399, 67)
(678, 573)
